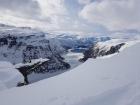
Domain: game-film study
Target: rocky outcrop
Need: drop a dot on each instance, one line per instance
(48, 66)
(97, 51)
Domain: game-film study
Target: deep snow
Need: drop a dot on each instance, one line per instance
(9, 76)
(111, 81)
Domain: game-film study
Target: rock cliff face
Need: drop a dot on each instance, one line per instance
(47, 66)
(98, 50)
(19, 45)
(17, 49)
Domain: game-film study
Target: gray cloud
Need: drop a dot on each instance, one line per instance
(23, 8)
(113, 14)
(73, 15)
(48, 13)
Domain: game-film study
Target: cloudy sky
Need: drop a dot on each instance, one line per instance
(82, 16)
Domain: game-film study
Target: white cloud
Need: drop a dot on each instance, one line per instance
(84, 1)
(114, 14)
(46, 14)
(52, 15)
(18, 21)
(52, 7)
(62, 15)
(54, 10)
(20, 8)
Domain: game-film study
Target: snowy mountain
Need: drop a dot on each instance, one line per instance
(22, 45)
(107, 48)
(78, 43)
(110, 81)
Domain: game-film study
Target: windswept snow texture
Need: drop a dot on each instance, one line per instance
(111, 81)
(9, 76)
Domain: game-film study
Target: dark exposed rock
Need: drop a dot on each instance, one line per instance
(3, 41)
(21, 84)
(97, 51)
(49, 66)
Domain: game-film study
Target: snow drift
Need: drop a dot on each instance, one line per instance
(112, 81)
(9, 76)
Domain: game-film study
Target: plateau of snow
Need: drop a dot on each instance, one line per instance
(111, 81)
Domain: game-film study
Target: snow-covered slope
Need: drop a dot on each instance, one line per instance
(9, 76)
(107, 48)
(112, 81)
